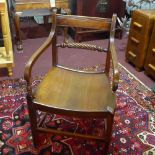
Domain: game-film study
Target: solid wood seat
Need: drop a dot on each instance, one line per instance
(66, 91)
(75, 91)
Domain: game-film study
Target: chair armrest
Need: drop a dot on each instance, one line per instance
(36, 55)
(115, 76)
(33, 59)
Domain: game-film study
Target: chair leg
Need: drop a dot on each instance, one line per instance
(10, 71)
(18, 32)
(33, 119)
(106, 148)
(109, 133)
(45, 18)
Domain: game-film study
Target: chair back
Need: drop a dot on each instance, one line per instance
(96, 23)
(85, 22)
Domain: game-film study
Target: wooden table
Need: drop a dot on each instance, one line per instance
(30, 8)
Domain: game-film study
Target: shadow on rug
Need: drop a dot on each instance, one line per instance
(133, 130)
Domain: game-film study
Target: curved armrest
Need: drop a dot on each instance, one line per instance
(115, 65)
(115, 76)
(37, 53)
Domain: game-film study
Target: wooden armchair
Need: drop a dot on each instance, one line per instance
(30, 8)
(73, 92)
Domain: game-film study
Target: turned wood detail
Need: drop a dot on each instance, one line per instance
(82, 46)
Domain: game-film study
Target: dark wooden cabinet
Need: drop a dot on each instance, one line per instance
(89, 8)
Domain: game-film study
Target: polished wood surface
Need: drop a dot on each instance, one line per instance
(81, 21)
(6, 52)
(21, 5)
(75, 91)
(72, 92)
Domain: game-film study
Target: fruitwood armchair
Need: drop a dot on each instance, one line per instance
(30, 8)
(72, 92)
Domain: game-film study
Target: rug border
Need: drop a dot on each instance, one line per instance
(135, 77)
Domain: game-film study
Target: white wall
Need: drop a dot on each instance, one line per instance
(140, 5)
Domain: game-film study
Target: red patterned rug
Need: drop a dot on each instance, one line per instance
(133, 130)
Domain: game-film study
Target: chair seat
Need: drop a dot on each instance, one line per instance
(75, 91)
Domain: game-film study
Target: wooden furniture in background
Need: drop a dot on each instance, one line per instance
(150, 58)
(30, 8)
(89, 8)
(6, 52)
(139, 37)
(1, 36)
(66, 91)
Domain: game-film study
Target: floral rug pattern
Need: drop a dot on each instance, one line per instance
(133, 129)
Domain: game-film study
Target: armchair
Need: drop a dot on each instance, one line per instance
(71, 92)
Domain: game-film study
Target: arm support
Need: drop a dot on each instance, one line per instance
(114, 56)
(115, 65)
(37, 53)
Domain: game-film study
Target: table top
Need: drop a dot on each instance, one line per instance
(21, 5)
